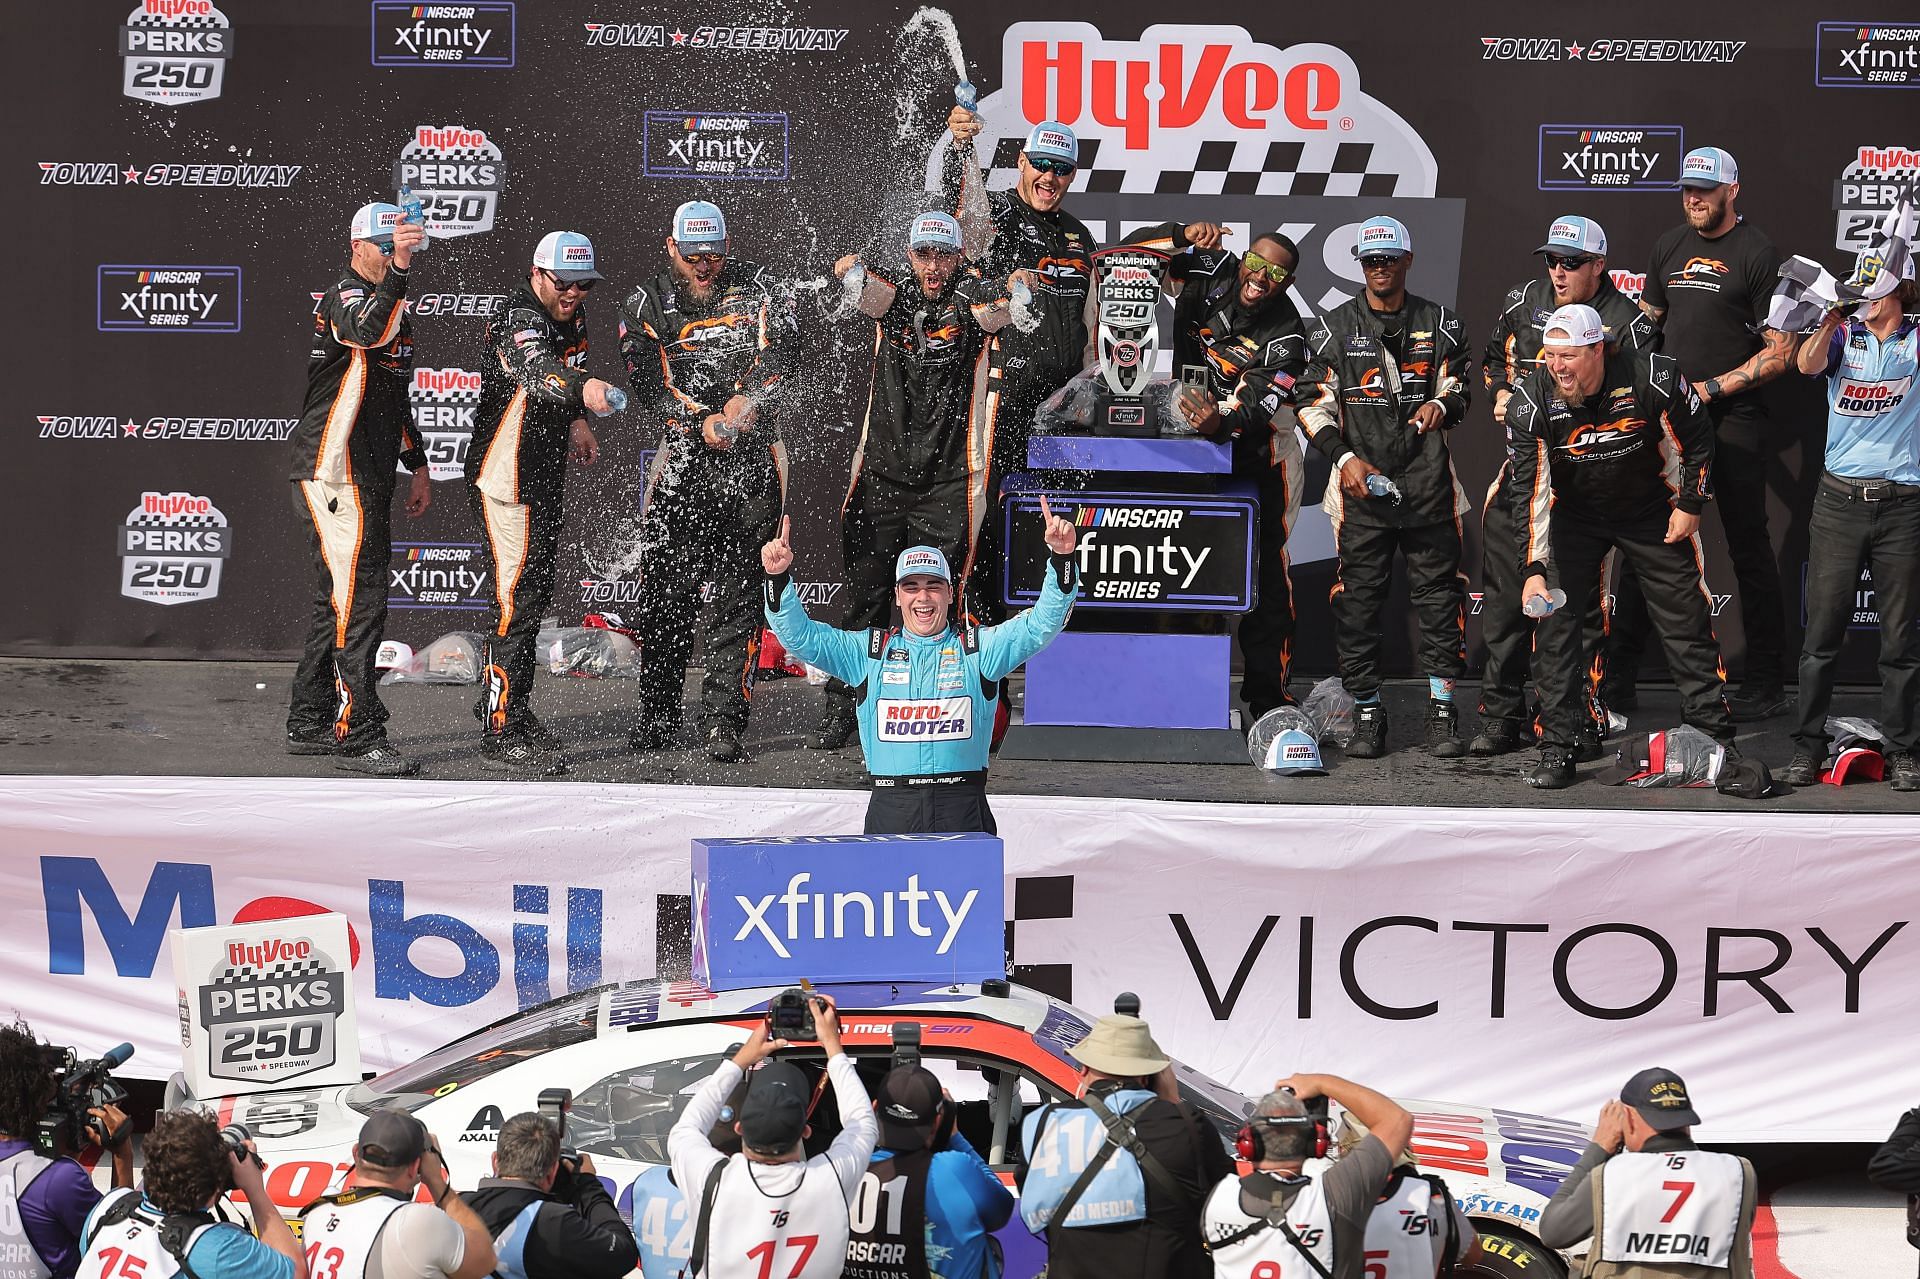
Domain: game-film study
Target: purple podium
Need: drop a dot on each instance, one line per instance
(1168, 551)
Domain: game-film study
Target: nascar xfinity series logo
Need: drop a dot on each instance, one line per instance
(443, 35)
(654, 35)
(458, 174)
(1606, 49)
(439, 575)
(171, 548)
(168, 299)
(444, 401)
(174, 51)
(716, 144)
(1867, 190)
(1639, 157)
(1853, 55)
(271, 1009)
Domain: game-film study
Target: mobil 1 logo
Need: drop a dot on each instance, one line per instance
(174, 51)
(479, 34)
(168, 299)
(271, 1009)
(457, 172)
(171, 549)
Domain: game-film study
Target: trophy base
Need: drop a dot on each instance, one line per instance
(1126, 415)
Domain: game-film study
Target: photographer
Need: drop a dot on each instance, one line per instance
(549, 1216)
(44, 1202)
(951, 1201)
(190, 1164)
(769, 1205)
(375, 1229)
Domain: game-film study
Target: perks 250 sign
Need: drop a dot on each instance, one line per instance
(1191, 552)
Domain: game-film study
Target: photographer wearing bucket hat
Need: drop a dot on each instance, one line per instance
(1660, 1207)
(1133, 1208)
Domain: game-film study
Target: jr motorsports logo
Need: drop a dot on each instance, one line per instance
(458, 174)
(1867, 55)
(715, 144)
(1868, 189)
(175, 51)
(444, 401)
(443, 575)
(168, 299)
(1601, 48)
(655, 35)
(443, 35)
(1611, 157)
(171, 549)
(271, 1008)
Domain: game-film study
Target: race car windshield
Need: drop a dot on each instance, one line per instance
(562, 1023)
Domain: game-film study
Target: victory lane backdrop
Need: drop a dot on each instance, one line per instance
(177, 244)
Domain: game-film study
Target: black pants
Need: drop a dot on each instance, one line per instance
(942, 808)
(1740, 458)
(1359, 597)
(707, 515)
(349, 530)
(1508, 632)
(522, 539)
(1676, 601)
(1844, 534)
(1266, 631)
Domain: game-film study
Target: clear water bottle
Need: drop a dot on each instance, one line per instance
(854, 282)
(965, 95)
(412, 210)
(616, 402)
(1540, 605)
(1021, 295)
(1379, 485)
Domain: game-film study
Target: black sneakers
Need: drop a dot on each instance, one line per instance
(723, 745)
(1369, 731)
(380, 761)
(1903, 771)
(540, 735)
(836, 728)
(1554, 771)
(1750, 704)
(1496, 737)
(1443, 731)
(515, 754)
(1802, 770)
(312, 741)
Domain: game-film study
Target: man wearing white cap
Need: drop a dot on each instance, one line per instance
(1610, 449)
(1575, 254)
(1386, 380)
(926, 690)
(1709, 283)
(356, 423)
(708, 344)
(534, 396)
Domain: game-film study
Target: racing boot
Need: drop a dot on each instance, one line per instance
(512, 753)
(837, 726)
(1496, 737)
(1554, 770)
(1443, 731)
(1369, 731)
(542, 737)
(379, 760)
(312, 741)
(650, 735)
(1801, 770)
(723, 745)
(1587, 746)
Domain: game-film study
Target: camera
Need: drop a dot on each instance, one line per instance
(553, 1104)
(235, 1138)
(906, 1044)
(790, 1016)
(79, 1086)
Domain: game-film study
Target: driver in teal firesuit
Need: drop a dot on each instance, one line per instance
(926, 691)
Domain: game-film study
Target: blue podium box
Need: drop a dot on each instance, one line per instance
(1110, 680)
(901, 908)
(1177, 455)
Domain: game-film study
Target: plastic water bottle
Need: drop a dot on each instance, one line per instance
(855, 283)
(965, 95)
(616, 402)
(1021, 295)
(413, 211)
(1379, 485)
(1537, 605)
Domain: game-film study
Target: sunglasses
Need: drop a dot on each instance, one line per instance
(1047, 164)
(385, 247)
(1557, 263)
(704, 259)
(1378, 261)
(1260, 266)
(563, 286)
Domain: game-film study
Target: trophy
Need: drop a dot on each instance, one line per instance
(1127, 290)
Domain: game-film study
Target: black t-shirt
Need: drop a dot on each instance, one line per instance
(1715, 293)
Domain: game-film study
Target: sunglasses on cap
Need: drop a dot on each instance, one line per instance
(562, 286)
(1379, 261)
(1557, 263)
(1261, 266)
(1047, 164)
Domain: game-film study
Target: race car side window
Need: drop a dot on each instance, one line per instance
(627, 1114)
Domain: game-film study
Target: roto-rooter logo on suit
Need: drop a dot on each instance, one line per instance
(444, 401)
(1867, 55)
(443, 35)
(458, 174)
(168, 299)
(171, 546)
(175, 51)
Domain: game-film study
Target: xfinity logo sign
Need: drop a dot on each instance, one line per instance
(168, 299)
(1611, 157)
(715, 144)
(443, 35)
(768, 912)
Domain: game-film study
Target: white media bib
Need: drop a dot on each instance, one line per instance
(798, 1235)
(1671, 1206)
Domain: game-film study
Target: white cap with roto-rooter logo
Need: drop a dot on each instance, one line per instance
(939, 230)
(1382, 236)
(568, 254)
(1708, 167)
(375, 221)
(1572, 235)
(922, 559)
(1577, 324)
(699, 227)
(1053, 141)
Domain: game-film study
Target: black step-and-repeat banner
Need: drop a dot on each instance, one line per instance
(181, 174)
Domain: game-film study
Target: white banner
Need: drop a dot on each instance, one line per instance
(1528, 960)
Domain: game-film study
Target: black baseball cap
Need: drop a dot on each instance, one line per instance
(391, 1138)
(774, 1114)
(1661, 1098)
(908, 1106)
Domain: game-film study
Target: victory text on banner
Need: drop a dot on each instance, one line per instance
(1527, 960)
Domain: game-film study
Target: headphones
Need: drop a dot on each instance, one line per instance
(1246, 1144)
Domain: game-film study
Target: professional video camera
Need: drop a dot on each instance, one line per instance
(790, 1016)
(79, 1086)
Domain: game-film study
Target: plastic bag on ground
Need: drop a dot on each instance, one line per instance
(454, 658)
(589, 651)
(1284, 742)
(1330, 707)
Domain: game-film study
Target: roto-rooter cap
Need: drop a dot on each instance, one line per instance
(1054, 141)
(1573, 235)
(1382, 236)
(375, 221)
(1708, 167)
(922, 559)
(568, 254)
(700, 227)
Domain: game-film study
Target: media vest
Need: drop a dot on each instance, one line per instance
(131, 1238)
(1243, 1246)
(340, 1231)
(18, 1257)
(1671, 1207)
(1060, 1143)
(889, 1218)
(800, 1235)
(662, 1225)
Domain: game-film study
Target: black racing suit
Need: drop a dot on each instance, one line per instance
(355, 425)
(1028, 367)
(1608, 474)
(1514, 351)
(1367, 373)
(708, 511)
(1250, 361)
(532, 377)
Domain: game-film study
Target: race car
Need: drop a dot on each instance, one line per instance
(633, 1054)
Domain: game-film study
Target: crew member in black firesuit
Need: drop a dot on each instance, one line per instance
(1238, 347)
(534, 394)
(708, 343)
(1576, 271)
(1610, 449)
(356, 423)
(1386, 379)
(920, 469)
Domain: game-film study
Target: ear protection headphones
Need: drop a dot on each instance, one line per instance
(1246, 1143)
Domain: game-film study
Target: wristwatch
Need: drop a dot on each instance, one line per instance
(1713, 388)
